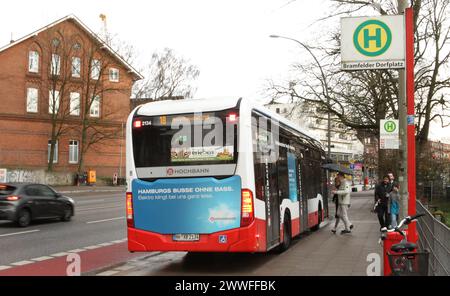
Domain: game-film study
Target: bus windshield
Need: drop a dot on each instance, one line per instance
(185, 139)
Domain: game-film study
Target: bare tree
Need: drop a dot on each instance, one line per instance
(99, 121)
(58, 51)
(361, 98)
(168, 75)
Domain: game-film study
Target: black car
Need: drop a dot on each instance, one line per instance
(22, 203)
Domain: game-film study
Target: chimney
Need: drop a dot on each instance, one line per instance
(12, 40)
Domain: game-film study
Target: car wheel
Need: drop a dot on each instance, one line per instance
(24, 218)
(67, 214)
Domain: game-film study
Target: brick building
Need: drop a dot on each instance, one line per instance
(63, 85)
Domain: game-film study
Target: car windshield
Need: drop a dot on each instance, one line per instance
(6, 189)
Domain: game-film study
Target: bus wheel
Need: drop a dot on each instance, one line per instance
(319, 220)
(287, 234)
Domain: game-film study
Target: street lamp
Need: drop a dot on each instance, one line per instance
(325, 84)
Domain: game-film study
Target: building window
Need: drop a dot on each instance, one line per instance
(33, 61)
(95, 69)
(75, 103)
(73, 151)
(114, 75)
(277, 110)
(53, 102)
(76, 67)
(32, 100)
(55, 66)
(56, 42)
(77, 46)
(95, 107)
(55, 152)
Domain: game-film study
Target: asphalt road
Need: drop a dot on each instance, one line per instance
(99, 218)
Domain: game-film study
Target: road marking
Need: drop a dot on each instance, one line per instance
(75, 251)
(108, 273)
(89, 201)
(105, 244)
(92, 247)
(43, 258)
(4, 267)
(17, 233)
(21, 263)
(119, 241)
(98, 208)
(59, 254)
(105, 220)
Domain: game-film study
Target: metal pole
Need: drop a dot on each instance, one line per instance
(402, 110)
(411, 132)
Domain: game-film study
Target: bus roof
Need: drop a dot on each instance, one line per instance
(214, 104)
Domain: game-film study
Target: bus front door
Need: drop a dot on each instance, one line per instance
(303, 200)
(272, 206)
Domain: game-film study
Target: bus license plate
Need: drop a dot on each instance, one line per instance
(186, 237)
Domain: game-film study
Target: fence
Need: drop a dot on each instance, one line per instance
(434, 236)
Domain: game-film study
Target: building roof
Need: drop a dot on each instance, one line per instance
(78, 22)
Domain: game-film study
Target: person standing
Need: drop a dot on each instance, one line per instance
(337, 183)
(344, 204)
(394, 206)
(392, 182)
(381, 198)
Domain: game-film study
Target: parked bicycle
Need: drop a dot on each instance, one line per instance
(404, 259)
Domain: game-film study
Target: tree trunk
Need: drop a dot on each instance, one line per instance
(53, 139)
(82, 147)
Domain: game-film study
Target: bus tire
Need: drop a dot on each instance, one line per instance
(287, 234)
(319, 219)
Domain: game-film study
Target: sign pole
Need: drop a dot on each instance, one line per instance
(409, 19)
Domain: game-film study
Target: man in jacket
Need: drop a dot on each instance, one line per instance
(343, 194)
(381, 198)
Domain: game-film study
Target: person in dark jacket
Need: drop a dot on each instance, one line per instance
(382, 197)
(337, 183)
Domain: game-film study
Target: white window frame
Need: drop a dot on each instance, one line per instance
(76, 67)
(96, 69)
(50, 101)
(56, 61)
(32, 100)
(74, 105)
(114, 75)
(49, 147)
(33, 61)
(95, 107)
(74, 151)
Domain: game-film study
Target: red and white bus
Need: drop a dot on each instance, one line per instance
(220, 176)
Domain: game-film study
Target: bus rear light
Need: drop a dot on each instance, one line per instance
(232, 117)
(137, 124)
(247, 208)
(129, 206)
(12, 198)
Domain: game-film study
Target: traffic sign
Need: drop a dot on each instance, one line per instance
(389, 136)
(373, 43)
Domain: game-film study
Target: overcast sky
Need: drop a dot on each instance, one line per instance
(228, 40)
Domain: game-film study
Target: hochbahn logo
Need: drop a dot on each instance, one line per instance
(372, 38)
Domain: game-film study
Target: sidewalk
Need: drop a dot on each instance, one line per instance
(314, 253)
(94, 188)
